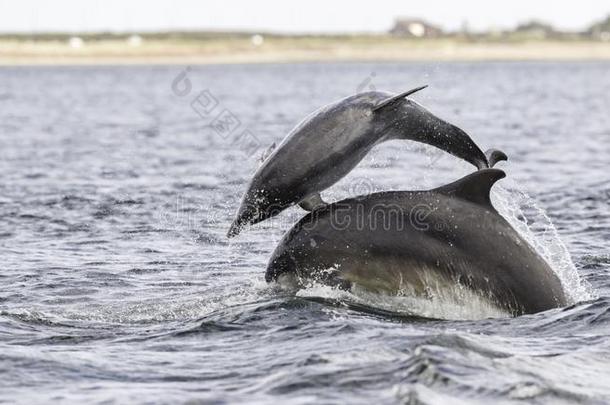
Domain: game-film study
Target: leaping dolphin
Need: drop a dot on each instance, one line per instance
(330, 142)
(427, 243)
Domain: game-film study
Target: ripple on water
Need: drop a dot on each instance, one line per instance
(118, 283)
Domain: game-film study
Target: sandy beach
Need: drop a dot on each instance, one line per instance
(291, 49)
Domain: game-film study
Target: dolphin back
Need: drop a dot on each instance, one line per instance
(405, 239)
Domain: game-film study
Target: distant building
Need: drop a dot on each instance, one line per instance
(600, 30)
(76, 42)
(257, 40)
(134, 40)
(536, 30)
(415, 28)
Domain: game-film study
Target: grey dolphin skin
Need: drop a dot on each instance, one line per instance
(422, 242)
(333, 140)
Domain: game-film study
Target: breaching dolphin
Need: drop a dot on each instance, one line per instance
(330, 142)
(424, 243)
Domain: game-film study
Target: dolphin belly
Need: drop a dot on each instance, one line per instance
(438, 283)
(407, 287)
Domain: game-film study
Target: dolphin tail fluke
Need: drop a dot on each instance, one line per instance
(494, 156)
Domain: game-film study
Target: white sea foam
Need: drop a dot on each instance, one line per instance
(452, 302)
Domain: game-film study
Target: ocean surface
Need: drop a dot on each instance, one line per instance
(118, 285)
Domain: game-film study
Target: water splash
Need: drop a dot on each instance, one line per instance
(535, 226)
(455, 303)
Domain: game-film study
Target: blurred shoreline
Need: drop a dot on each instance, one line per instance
(134, 50)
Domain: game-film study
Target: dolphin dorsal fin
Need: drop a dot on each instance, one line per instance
(391, 100)
(475, 187)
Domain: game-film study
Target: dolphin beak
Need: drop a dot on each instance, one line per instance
(245, 216)
(234, 229)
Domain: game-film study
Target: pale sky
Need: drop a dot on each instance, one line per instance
(286, 15)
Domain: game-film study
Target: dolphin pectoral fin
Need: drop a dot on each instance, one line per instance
(475, 187)
(393, 99)
(268, 152)
(312, 202)
(494, 156)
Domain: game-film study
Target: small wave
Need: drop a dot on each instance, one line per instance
(174, 307)
(587, 315)
(533, 224)
(595, 260)
(33, 317)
